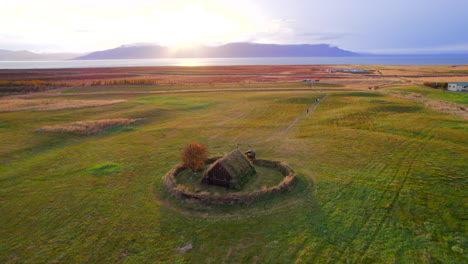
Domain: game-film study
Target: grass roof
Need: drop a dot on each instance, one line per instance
(237, 165)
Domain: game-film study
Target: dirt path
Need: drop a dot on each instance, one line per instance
(294, 122)
(311, 107)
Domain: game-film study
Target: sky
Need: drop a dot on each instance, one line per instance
(371, 26)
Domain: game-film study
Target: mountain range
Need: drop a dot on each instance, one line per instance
(231, 50)
(149, 51)
(24, 55)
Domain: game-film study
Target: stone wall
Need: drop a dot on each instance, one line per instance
(288, 182)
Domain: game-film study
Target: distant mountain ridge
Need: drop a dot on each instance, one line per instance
(231, 50)
(24, 55)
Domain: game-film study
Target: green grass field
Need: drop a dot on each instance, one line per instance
(382, 180)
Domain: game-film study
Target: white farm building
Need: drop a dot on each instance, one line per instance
(458, 87)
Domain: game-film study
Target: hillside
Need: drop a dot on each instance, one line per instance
(231, 50)
(24, 55)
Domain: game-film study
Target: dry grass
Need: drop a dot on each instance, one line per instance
(89, 127)
(438, 105)
(438, 79)
(13, 105)
(416, 69)
(20, 81)
(447, 107)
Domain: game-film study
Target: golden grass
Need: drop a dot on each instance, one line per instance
(89, 127)
(438, 105)
(447, 107)
(13, 105)
(439, 79)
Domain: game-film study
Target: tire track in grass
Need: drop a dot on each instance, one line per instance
(373, 168)
(408, 150)
(375, 220)
(375, 165)
(369, 167)
(415, 154)
(376, 212)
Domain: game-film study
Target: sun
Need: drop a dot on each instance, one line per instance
(194, 25)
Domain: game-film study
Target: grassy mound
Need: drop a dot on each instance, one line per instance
(104, 168)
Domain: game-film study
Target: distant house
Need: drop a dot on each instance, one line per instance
(231, 171)
(346, 70)
(458, 87)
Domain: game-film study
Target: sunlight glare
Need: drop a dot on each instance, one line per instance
(192, 25)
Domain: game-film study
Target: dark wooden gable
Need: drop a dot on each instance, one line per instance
(231, 171)
(218, 175)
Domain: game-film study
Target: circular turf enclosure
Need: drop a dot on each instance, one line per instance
(272, 178)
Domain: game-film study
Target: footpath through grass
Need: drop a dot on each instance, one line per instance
(385, 182)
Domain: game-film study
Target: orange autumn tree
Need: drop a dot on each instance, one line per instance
(193, 156)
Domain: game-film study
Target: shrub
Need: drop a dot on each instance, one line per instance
(193, 156)
(436, 85)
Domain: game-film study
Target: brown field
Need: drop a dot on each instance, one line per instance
(88, 127)
(13, 105)
(379, 74)
(420, 80)
(438, 105)
(53, 82)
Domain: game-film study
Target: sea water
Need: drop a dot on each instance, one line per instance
(363, 60)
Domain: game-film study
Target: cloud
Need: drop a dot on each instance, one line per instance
(277, 31)
(81, 31)
(360, 25)
(453, 49)
(325, 36)
(9, 37)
